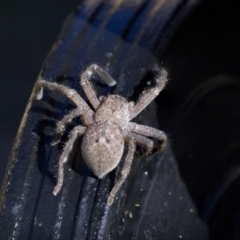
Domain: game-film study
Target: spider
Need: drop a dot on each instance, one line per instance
(107, 128)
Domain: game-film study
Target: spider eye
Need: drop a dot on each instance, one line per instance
(101, 98)
(131, 104)
(116, 114)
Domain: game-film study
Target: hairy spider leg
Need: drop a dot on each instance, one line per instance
(76, 132)
(149, 95)
(72, 94)
(125, 171)
(142, 140)
(87, 85)
(61, 125)
(150, 132)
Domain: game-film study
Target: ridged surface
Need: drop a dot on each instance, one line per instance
(126, 39)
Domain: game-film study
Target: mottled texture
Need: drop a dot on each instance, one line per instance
(102, 147)
(107, 128)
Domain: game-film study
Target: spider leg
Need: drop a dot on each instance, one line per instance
(87, 85)
(142, 140)
(72, 95)
(62, 124)
(76, 132)
(149, 95)
(125, 171)
(150, 132)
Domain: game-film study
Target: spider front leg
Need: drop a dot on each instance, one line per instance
(149, 95)
(125, 171)
(61, 125)
(87, 85)
(76, 132)
(72, 95)
(150, 132)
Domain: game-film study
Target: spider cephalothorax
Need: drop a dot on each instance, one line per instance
(107, 128)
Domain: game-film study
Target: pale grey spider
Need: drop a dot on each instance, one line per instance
(107, 128)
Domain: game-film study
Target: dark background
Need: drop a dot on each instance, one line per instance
(28, 30)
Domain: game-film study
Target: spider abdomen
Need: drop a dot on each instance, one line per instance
(107, 127)
(102, 147)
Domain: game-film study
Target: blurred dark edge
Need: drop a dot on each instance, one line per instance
(124, 213)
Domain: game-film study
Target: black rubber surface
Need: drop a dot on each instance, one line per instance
(198, 110)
